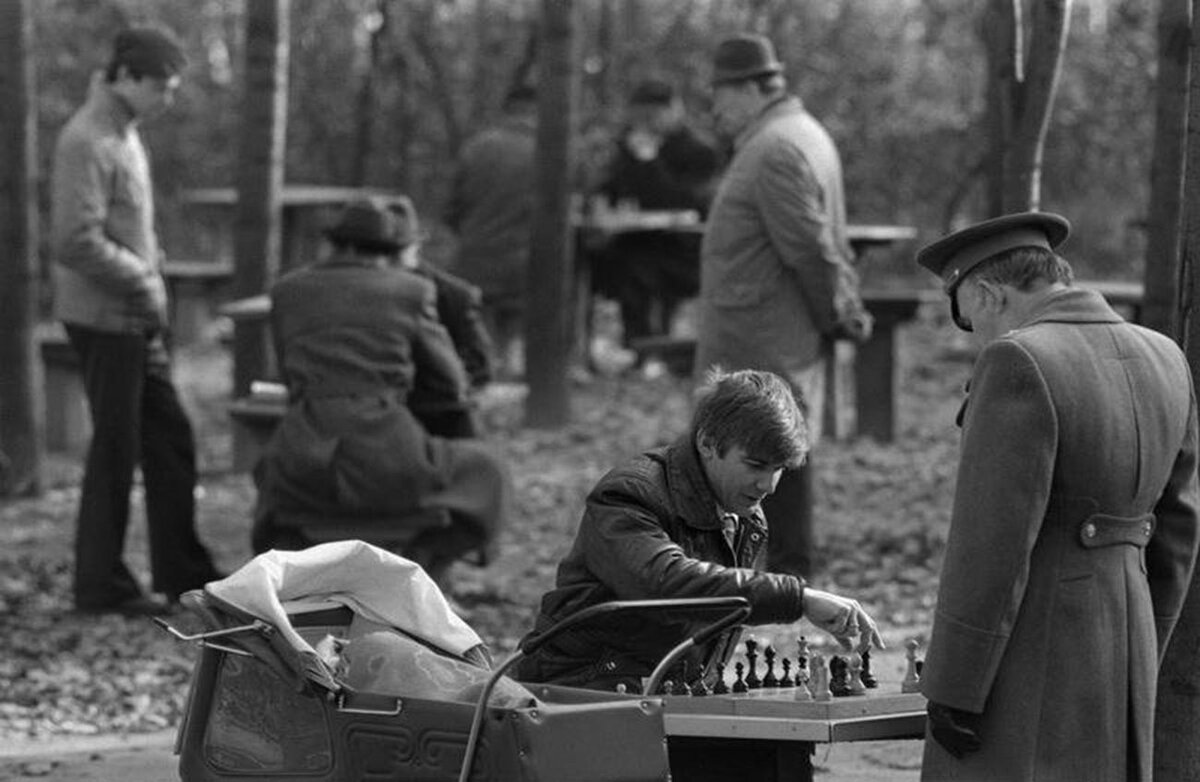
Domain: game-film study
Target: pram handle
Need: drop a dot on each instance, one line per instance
(738, 608)
(205, 639)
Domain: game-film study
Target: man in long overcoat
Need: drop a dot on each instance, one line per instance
(776, 284)
(1074, 530)
(356, 338)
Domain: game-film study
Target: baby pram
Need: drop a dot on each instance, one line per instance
(273, 698)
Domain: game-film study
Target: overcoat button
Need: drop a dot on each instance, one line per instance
(1089, 530)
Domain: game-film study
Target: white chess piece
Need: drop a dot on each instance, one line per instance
(912, 682)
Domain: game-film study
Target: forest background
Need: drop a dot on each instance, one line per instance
(385, 92)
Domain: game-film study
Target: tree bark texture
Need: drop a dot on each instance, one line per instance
(258, 222)
(1022, 84)
(1161, 302)
(22, 414)
(548, 331)
(1176, 750)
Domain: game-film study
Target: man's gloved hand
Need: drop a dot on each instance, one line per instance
(956, 730)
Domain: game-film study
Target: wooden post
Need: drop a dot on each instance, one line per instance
(22, 412)
(1163, 228)
(258, 214)
(551, 264)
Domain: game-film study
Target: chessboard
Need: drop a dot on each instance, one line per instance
(806, 703)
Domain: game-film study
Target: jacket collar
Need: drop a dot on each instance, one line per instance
(1072, 305)
(111, 106)
(780, 107)
(691, 495)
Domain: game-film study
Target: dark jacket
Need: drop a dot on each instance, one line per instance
(459, 308)
(652, 529)
(354, 342)
(1071, 545)
(681, 176)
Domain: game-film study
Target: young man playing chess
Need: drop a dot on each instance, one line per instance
(1074, 530)
(686, 521)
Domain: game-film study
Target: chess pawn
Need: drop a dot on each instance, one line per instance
(700, 689)
(719, 686)
(856, 683)
(769, 679)
(752, 680)
(739, 683)
(868, 678)
(787, 680)
(912, 680)
(819, 679)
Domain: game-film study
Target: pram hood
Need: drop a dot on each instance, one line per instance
(373, 582)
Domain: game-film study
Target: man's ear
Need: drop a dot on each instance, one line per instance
(704, 445)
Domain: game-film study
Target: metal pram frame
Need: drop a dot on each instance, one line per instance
(246, 674)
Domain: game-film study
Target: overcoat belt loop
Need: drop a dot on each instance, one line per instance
(1100, 529)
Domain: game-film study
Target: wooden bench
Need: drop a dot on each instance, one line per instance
(196, 288)
(68, 420)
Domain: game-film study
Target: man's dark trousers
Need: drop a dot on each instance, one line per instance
(789, 512)
(137, 419)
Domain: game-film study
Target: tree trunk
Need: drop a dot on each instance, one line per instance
(1020, 96)
(551, 264)
(1176, 751)
(21, 404)
(366, 109)
(1166, 169)
(259, 218)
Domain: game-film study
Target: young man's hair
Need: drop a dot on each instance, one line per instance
(145, 51)
(754, 410)
(1023, 267)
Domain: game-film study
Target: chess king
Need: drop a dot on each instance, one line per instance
(1074, 528)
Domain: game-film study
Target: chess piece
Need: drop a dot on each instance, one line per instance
(769, 679)
(786, 680)
(681, 688)
(700, 688)
(856, 683)
(752, 680)
(819, 678)
(739, 683)
(802, 669)
(912, 679)
(667, 687)
(868, 678)
(839, 676)
(719, 686)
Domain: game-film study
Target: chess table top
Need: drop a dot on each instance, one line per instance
(774, 713)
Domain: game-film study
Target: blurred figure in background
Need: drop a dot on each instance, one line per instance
(490, 208)
(659, 162)
(110, 294)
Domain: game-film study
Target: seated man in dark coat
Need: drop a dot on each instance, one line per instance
(356, 338)
(686, 521)
(660, 163)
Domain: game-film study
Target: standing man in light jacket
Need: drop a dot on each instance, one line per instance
(776, 285)
(110, 294)
(1074, 531)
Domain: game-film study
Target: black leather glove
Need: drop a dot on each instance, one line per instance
(956, 730)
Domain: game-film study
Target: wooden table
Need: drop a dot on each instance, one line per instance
(194, 288)
(768, 736)
(305, 213)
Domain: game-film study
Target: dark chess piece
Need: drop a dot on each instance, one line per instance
(787, 680)
(769, 679)
(700, 689)
(681, 688)
(912, 676)
(839, 676)
(719, 686)
(868, 679)
(739, 684)
(803, 669)
(752, 680)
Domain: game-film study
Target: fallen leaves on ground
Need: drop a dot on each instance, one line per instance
(882, 517)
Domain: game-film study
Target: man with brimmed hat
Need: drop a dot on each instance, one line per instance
(357, 340)
(110, 294)
(1074, 528)
(776, 283)
(659, 162)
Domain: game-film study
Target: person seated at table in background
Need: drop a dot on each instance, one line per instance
(659, 163)
(356, 338)
(459, 308)
(490, 208)
(686, 521)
